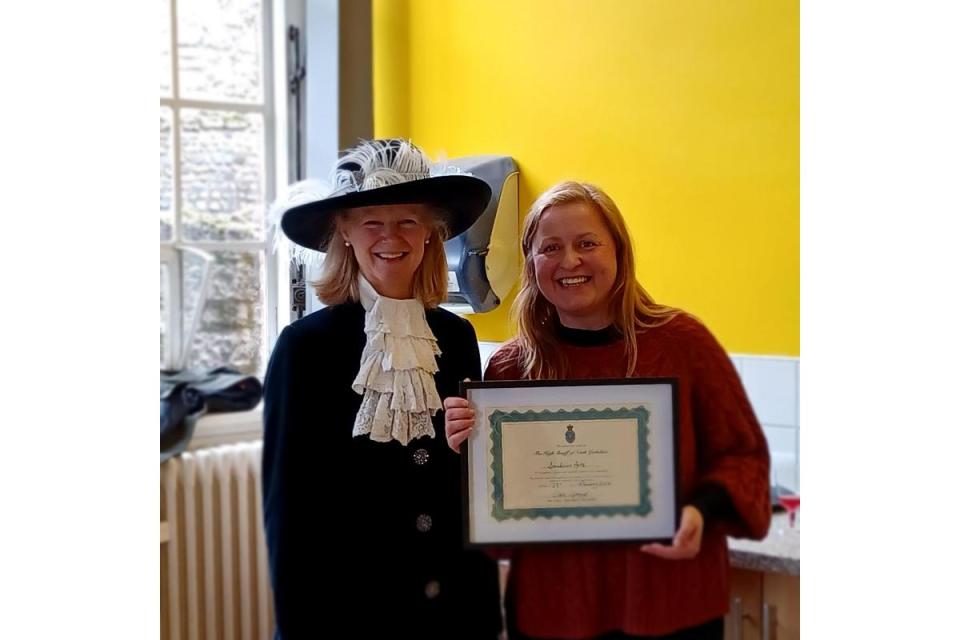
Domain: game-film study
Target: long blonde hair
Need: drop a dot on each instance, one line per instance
(633, 308)
(337, 283)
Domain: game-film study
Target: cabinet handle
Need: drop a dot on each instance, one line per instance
(737, 619)
(769, 628)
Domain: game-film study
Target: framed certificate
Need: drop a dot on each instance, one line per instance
(559, 461)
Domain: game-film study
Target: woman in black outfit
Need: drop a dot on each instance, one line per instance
(361, 495)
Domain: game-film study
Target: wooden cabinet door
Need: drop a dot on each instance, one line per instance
(746, 605)
(781, 596)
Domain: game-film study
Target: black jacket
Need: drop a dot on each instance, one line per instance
(375, 527)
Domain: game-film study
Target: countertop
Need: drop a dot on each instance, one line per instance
(779, 552)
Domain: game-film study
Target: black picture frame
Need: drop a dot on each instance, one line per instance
(496, 513)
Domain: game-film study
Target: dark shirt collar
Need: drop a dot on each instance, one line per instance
(588, 337)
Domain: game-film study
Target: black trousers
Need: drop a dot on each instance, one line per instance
(710, 630)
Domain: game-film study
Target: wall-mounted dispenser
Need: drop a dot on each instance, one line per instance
(483, 262)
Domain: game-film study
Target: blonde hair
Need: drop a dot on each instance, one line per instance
(632, 307)
(337, 283)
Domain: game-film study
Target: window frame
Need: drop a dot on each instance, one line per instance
(272, 110)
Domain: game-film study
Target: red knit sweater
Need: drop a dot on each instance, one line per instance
(581, 591)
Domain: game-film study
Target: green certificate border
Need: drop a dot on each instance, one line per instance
(497, 420)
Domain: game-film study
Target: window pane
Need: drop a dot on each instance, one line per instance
(166, 62)
(231, 327)
(166, 173)
(192, 266)
(222, 175)
(164, 314)
(219, 50)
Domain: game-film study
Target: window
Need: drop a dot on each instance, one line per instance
(218, 279)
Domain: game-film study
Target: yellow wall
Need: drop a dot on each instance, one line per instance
(685, 111)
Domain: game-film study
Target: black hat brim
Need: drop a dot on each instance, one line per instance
(463, 198)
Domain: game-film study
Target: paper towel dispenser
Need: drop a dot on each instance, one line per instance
(483, 262)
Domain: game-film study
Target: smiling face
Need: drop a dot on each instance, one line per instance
(575, 263)
(388, 242)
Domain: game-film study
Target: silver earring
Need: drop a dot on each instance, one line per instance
(427, 242)
(346, 244)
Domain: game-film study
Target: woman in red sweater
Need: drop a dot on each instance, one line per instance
(582, 314)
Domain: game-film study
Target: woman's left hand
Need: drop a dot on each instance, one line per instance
(686, 543)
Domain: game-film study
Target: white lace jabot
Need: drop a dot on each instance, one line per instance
(396, 370)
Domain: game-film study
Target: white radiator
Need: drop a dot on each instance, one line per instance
(214, 581)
